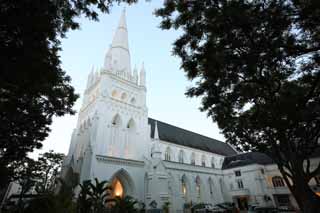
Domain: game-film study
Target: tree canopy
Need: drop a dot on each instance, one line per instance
(33, 86)
(256, 65)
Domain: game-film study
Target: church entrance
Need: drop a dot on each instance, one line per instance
(122, 184)
(117, 188)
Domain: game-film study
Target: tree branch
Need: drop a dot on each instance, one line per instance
(315, 172)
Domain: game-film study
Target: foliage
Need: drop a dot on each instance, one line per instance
(26, 174)
(33, 86)
(84, 201)
(92, 197)
(49, 164)
(125, 204)
(52, 203)
(98, 193)
(257, 68)
(166, 207)
(37, 178)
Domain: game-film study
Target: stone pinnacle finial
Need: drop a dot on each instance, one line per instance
(156, 133)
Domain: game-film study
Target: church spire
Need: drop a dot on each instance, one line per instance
(119, 51)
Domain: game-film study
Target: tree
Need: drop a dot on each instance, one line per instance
(49, 168)
(26, 174)
(62, 201)
(33, 86)
(257, 68)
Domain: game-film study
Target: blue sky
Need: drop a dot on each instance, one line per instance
(166, 83)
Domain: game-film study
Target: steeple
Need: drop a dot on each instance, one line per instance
(118, 55)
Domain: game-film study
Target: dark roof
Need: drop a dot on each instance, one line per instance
(184, 137)
(245, 159)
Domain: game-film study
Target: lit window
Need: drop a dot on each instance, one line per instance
(193, 159)
(277, 181)
(240, 184)
(184, 186)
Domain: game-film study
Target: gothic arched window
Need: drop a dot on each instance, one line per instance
(181, 156)
(212, 162)
(116, 121)
(193, 159)
(133, 100)
(167, 154)
(277, 181)
(198, 185)
(124, 96)
(131, 124)
(184, 186)
(203, 160)
(114, 94)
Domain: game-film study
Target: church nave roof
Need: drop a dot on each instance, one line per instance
(187, 138)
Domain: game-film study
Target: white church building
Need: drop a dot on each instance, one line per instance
(153, 161)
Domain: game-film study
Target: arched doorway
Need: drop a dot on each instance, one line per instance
(122, 184)
(117, 188)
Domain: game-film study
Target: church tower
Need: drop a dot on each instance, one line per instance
(113, 119)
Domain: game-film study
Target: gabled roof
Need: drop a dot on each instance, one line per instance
(176, 135)
(245, 159)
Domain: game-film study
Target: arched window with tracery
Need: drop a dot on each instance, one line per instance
(181, 156)
(167, 154)
(277, 181)
(193, 159)
(203, 160)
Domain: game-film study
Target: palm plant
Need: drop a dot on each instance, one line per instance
(126, 204)
(98, 193)
(84, 200)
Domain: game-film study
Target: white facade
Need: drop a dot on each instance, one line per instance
(112, 140)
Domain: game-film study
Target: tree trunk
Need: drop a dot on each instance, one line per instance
(307, 200)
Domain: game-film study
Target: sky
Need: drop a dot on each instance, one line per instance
(166, 82)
